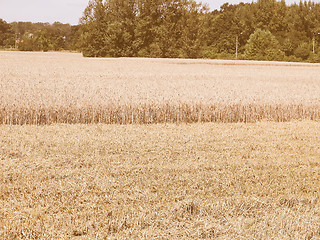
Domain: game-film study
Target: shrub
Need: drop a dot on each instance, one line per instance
(209, 52)
(314, 58)
(302, 51)
(292, 58)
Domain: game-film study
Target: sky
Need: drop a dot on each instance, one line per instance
(65, 11)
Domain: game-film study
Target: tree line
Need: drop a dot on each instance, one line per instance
(262, 30)
(27, 36)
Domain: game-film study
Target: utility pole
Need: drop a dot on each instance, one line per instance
(314, 42)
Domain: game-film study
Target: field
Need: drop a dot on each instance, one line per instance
(37, 88)
(167, 167)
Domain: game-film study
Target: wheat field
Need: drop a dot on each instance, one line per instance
(38, 88)
(134, 148)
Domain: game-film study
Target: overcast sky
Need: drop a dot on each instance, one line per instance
(65, 11)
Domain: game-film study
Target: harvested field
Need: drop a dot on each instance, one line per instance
(46, 88)
(162, 181)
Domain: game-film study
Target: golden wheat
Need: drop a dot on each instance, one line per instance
(46, 88)
(167, 113)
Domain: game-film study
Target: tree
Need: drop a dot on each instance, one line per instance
(168, 40)
(108, 28)
(6, 34)
(287, 47)
(120, 30)
(92, 29)
(269, 29)
(278, 25)
(193, 31)
(262, 45)
(148, 20)
(28, 43)
(225, 29)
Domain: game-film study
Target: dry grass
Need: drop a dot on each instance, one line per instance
(198, 181)
(46, 88)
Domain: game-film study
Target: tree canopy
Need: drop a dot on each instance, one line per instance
(262, 45)
(262, 30)
(266, 29)
(27, 36)
(6, 34)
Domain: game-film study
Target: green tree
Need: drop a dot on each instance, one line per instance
(28, 43)
(120, 31)
(6, 34)
(225, 29)
(148, 20)
(287, 47)
(43, 36)
(168, 40)
(193, 33)
(73, 39)
(92, 29)
(264, 11)
(262, 45)
(108, 28)
(278, 25)
(266, 29)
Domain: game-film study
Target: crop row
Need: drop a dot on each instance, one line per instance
(156, 113)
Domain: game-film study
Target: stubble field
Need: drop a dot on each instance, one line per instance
(232, 152)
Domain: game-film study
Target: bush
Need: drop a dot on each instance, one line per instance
(225, 55)
(210, 53)
(314, 58)
(292, 58)
(302, 51)
(287, 47)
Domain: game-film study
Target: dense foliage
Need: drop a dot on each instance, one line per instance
(27, 36)
(6, 34)
(262, 30)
